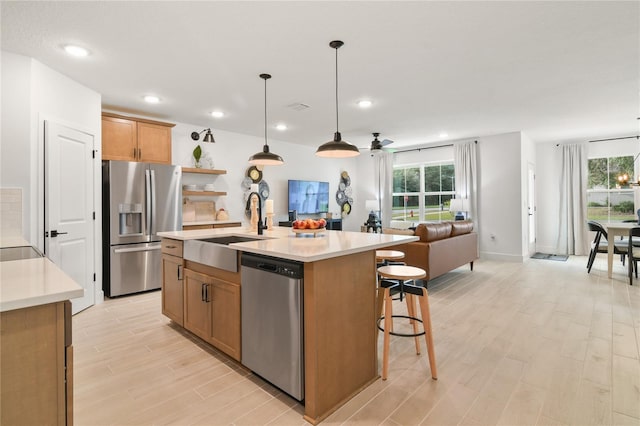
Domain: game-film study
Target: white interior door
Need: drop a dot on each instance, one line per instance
(531, 207)
(69, 209)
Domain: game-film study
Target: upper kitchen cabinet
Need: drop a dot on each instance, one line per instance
(135, 139)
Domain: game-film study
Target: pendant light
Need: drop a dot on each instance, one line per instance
(337, 148)
(265, 158)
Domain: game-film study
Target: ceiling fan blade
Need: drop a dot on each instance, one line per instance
(385, 142)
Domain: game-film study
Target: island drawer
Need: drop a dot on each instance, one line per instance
(172, 247)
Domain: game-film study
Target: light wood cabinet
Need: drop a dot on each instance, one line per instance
(172, 288)
(197, 303)
(225, 317)
(172, 280)
(202, 299)
(212, 311)
(37, 365)
(135, 139)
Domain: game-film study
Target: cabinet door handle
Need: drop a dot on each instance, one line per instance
(179, 272)
(171, 247)
(202, 292)
(135, 154)
(206, 293)
(139, 154)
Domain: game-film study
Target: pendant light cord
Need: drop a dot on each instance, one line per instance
(265, 111)
(337, 119)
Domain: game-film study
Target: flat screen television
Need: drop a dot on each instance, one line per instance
(308, 196)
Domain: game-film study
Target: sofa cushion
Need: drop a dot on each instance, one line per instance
(461, 227)
(397, 231)
(433, 231)
(401, 224)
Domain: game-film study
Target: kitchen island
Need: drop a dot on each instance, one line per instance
(340, 355)
(35, 340)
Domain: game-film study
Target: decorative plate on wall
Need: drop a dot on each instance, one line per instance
(343, 194)
(255, 174)
(346, 209)
(346, 179)
(246, 183)
(263, 190)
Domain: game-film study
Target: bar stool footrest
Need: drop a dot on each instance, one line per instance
(401, 334)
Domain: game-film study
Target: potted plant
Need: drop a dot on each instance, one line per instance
(197, 153)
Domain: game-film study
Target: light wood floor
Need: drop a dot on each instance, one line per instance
(537, 343)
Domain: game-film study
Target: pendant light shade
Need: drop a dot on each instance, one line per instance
(265, 158)
(337, 148)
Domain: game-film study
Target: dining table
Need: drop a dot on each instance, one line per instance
(615, 229)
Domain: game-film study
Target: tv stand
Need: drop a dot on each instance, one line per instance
(332, 224)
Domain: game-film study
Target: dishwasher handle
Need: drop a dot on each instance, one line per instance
(267, 267)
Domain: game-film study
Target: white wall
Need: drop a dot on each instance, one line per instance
(31, 94)
(231, 152)
(15, 148)
(58, 98)
(500, 197)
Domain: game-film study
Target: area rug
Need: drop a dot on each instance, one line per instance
(558, 257)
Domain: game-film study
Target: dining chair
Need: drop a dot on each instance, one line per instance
(600, 244)
(633, 252)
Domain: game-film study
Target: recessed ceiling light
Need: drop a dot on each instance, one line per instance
(365, 103)
(217, 114)
(443, 134)
(281, 126)
(151, 99)
(77, 51)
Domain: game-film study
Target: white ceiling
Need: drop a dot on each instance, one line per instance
(557, 71)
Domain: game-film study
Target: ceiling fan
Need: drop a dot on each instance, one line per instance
(377, 144)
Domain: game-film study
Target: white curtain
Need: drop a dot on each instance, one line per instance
(383, 172)
(572, 235)
(466, 173)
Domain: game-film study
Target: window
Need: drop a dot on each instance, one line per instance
(423, 192)
(606, 201)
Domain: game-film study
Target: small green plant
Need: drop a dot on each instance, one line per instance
(197, 153)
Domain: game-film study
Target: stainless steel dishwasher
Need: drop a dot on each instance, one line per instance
(272, 321)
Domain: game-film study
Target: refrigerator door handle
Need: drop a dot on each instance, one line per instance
(131, 249)
(147, 204)
(153, 202)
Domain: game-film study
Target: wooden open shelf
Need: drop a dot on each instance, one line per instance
(207, 193)
(204, 171)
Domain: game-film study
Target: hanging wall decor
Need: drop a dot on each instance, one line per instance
(344, 193)
(253, 176)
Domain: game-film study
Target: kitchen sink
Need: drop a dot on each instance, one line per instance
(229, 239)
(214, 251)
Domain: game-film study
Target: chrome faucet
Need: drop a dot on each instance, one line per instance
(260, 227)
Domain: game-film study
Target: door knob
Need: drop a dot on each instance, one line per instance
(54, 233)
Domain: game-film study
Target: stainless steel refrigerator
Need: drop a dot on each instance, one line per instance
(138, 201)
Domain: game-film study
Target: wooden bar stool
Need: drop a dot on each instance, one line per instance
(384, 258)
(406, 276)
(387, 255)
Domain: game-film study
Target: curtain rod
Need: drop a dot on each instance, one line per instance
(611, 139)
(426, 147)
(616, 139)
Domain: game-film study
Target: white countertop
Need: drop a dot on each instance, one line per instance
(283, 243)
(13, 241)
(32, 282)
